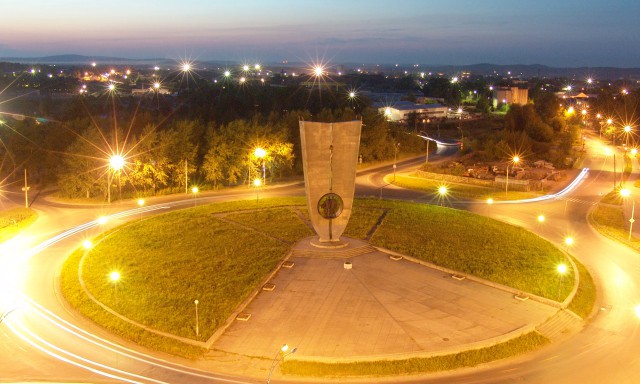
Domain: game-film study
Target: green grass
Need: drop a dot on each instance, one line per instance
(363, 219)
(289, 226)
(14, 220)
(523, 344)
(609, 221)
(458, 191)
(473, 244)
(582, 303)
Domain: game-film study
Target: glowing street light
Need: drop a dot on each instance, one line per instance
(257, 183)
(115, 277)
(627, 131)
(283, 352)
(186, 67)
(541, 218)
(352, 95)
(195, 191)
(442, 194)
(261, 153)
(318, 71)
(196, 302)
(568, 241)
(515, 160)
(116, 162)
(637, 311)
(87, 244)
(562, 269)
(624, 192)
(227, 73)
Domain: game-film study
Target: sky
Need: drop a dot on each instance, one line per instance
(562, 33)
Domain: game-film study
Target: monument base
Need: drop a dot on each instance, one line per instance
(332, 244)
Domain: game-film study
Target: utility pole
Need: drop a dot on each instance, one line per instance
(26, 190)
(186, 178)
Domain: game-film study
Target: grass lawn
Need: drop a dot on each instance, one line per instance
(14, 220)
(473, 244)
(168, 261)
(457, 191)
(609, 220)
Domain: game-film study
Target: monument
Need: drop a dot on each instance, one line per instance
(329, 158)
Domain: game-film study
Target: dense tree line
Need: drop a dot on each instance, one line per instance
(204, 137)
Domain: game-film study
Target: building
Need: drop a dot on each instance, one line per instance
(400, 111)
(510, 95)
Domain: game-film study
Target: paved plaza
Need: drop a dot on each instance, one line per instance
(380, 308)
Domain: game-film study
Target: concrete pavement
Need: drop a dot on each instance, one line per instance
(379, 309)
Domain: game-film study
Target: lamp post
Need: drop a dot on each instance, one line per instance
(115, 277)
(627, 131)
(116, 162)
(280, 355)
(562, 269)
(261, 153)
(26, 190)
(489, 203)
(442, 191)
(140, 204)
(396, 148)
(516, 160)
(624, 192)
(196, 302)
(257, 183)
(195, 191)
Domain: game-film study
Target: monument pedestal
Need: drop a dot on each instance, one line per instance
(337, 244)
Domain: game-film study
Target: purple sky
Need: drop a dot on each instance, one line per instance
(559, 33)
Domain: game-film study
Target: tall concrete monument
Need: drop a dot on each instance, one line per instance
(329, 158)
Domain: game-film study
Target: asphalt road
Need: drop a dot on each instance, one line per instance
(42, 340)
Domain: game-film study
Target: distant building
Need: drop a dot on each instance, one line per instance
(574, 99)
(510, 95)
(399, 112)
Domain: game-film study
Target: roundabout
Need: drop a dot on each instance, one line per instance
(413, 291)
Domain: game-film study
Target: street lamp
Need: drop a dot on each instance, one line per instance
(540, 218)
(624, 192)
(116, 162)
(627, 131)
(280, 355)
(195, 191)
(489, 203)
(442, 191)
(396, 148)
(115, 277)
(562, 269)
(257, 183)
(568, 241)
(261, 153)
(87, 244)
(196, 302)
(515, 160)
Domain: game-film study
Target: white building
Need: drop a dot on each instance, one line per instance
(399, 112)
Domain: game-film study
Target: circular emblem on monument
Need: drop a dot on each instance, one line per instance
(330, 206)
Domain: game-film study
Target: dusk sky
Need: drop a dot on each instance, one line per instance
(552, 32)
